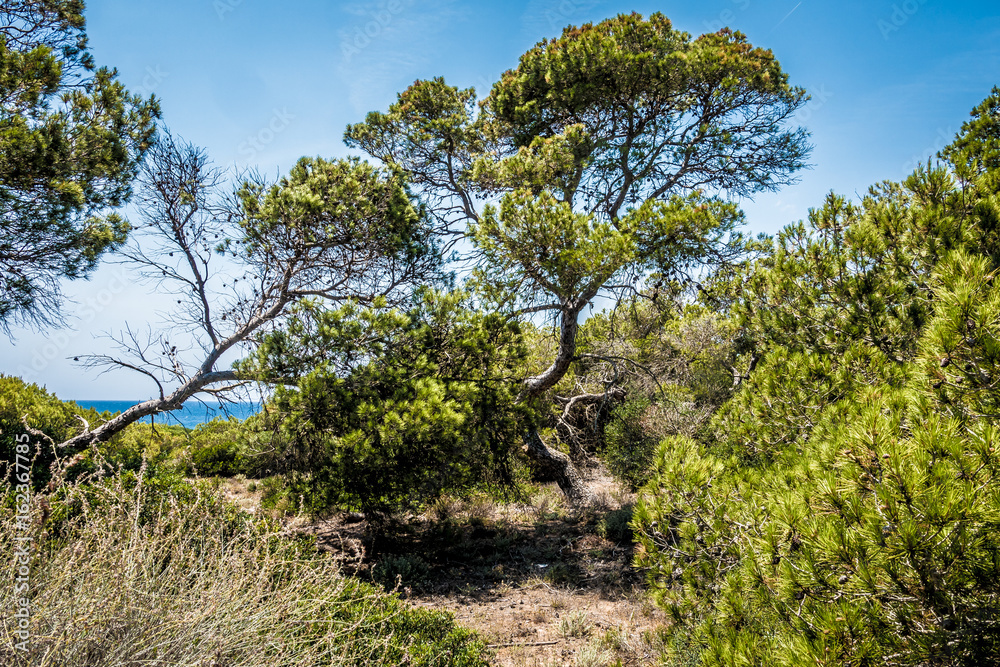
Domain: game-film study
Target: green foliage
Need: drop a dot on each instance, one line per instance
(678, 361)
(337, 228)
(297, 214)
(540, 250)
(600, 145)
(628, 72)
(615, 526)
(628, 95)
(429, 117)
(275, 494)
(848, 513)
(628, 447)
(393, 571)
(841, 304)
(220, 448)
(57, 420)
(395, 408)
(877, 542)
(976, 149)
(563, 253)
(71, 140)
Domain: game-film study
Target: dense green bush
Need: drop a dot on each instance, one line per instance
(57, 421)
(393, 571)
(221, 447)
(848, 511)
(674, 362)
(392, 408)
(615, 525)
(628, 446)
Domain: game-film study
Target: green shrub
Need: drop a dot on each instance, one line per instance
(393, 571)
(57, 420)
(876, 539)
(276, 495)
(416, 414)
(628, 451)
(217, 448)
(850, 512)
(615, 525)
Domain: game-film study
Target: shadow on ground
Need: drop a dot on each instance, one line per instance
(476, 555)
(543, 584)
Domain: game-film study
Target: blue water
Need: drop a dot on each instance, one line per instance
(192, 414)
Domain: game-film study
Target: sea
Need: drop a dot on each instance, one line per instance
(192, 414)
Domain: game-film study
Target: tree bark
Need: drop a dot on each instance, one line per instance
(577, 427)
(553, 463)
(568, 327)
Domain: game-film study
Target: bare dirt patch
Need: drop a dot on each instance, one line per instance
(543, 584)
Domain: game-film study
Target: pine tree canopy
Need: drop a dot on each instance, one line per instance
(846, 509)
(71, 139)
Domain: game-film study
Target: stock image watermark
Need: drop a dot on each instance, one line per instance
(565, 12)
(726, 17)
(818, 99)
(152, 79)
(362, 36)
(223, 7)
(23, 540)
(86, 311)
(941, 139)
(257, 142)
(900, 15)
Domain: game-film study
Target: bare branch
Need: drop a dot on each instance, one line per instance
(237, 261)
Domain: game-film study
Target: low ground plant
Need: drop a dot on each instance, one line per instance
(125, 570)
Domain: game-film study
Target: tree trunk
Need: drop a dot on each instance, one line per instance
(553, 463)
(583, 419)
(173, 401)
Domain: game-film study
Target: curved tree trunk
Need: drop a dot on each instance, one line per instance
(172, 401)
(551, 462)
(558, 466)
(583, 419)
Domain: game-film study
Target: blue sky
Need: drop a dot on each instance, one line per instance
(260, 84)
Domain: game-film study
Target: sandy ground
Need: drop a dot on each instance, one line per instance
(542, 583)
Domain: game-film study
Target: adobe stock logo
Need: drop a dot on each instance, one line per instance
(900, 16)
(726, 17)
(151, 81)
(818, 100)
(566, 11)
(255, 143)
(223, 7)
(363, 36)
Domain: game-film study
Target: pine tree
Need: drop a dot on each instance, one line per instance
(848, 511)
(71, 141)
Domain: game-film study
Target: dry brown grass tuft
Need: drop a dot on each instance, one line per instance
(134, 577)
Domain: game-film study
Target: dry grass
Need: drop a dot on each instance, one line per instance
(136, 578)
(586, 608)
(575, 624)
